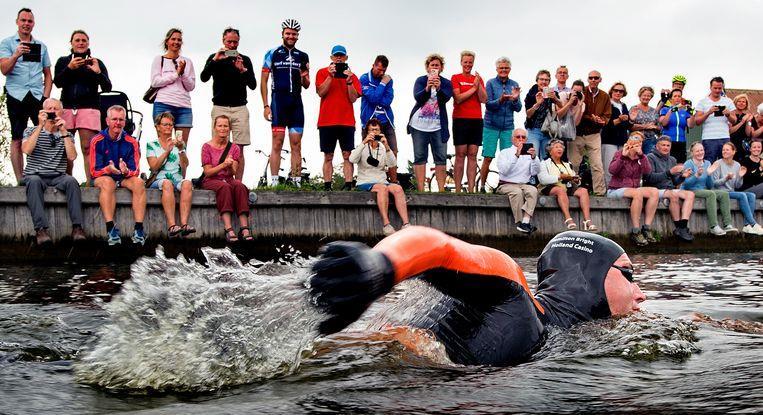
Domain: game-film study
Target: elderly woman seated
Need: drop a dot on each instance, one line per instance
(373, 156)
(559, 180)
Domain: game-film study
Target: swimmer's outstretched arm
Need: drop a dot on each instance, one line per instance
(349, 276)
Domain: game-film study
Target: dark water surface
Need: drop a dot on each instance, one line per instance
(237, 339)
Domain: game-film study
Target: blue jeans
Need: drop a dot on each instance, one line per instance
(746, 205)
(712, 148)
(539, 140)
(422, 140)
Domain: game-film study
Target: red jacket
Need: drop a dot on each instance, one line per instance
(627, 172)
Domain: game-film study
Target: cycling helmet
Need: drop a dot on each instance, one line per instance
(290, 24)
(679, 78)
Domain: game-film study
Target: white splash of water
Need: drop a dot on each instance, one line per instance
(181, 326)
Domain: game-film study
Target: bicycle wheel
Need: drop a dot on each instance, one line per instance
(450, 182)
(492, 181)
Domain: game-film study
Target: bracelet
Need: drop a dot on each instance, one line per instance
(266, 106)
(182, 151)
(66, 135)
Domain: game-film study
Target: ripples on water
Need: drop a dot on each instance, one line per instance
(184, 327)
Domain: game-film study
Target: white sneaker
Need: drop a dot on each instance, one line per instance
(716, 230)
(757, 229)
(730, 228)
(748, 229)
(408, 225)
(388, 230)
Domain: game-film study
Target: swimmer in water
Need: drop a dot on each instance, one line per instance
(488, 316)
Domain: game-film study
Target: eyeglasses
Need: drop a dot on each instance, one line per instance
(627, 272)
(520, 136)
(622, 91)
(594, 78)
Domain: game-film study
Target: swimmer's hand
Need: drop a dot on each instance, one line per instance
(346, 280)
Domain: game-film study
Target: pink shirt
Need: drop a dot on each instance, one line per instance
(210, 156)
(174, 90)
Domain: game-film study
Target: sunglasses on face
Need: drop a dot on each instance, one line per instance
(627, 272)
(622, 91)
(520, 136)
(594, 78)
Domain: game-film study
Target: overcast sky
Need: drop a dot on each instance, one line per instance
(638, 42)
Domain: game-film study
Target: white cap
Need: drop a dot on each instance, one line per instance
(760, 108)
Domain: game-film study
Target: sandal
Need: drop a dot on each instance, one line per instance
(588, 226)
(187, 230)
(570, 223)
(248, 236)
(230, 235)
(174, 231)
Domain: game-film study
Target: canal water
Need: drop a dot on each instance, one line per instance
(171, 336)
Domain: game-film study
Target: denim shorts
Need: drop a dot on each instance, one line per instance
(366, 187)
(157, 184)
(183, 116)
(421, 142)
(616, 193)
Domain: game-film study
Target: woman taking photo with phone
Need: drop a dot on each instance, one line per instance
(174, 76)
(373, 157)
(219, 159)
(168, 162)
(557, 179)
(676, 120)
(79, 75)
(627, 167)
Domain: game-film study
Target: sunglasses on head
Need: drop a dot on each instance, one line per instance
(627, 272)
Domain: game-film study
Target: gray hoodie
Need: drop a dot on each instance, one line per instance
(660, 176)
(719, 176)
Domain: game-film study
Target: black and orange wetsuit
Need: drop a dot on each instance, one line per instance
(488, 315)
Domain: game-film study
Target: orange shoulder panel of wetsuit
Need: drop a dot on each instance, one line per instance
(418, 249)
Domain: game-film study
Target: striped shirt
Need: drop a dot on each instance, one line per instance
(49, 155)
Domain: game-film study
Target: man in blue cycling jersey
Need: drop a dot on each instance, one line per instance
(290, 69)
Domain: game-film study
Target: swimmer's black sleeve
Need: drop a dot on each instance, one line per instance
(346, 280)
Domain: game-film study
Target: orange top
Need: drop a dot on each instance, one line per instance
(418, 249)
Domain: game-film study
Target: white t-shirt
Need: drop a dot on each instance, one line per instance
(427, 118)
(715, 127)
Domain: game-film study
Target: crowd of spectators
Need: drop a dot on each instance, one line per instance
(638, 153)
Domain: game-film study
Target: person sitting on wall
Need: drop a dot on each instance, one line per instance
(115, 162)
(48, 147)
(373, 157)
(667, 176)
(516, 166)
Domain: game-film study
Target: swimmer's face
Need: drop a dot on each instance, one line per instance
(624, 297)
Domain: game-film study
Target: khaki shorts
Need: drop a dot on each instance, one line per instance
(239, 122)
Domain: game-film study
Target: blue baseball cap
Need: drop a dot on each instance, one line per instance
(338, 50)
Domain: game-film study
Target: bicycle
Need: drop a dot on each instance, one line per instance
(450, 177)
(264, 182)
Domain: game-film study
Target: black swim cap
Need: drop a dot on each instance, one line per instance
(571, 273)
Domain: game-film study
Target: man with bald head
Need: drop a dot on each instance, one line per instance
(48, 146)
(588, 141)
(516, 166)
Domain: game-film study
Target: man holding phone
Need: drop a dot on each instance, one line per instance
(338, 88)
(26, 65)
(48, 146)
(516, 166)
(714, 113)
(231, 73)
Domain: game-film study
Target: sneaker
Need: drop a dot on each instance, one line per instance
(408, 225)
(748, 230)
(649, 235)
(388, 230)
(347, 187)
(78, 234)
(717, 231)
(42, 237)
(138, 237)
(639, 239)
(683, 234)
(730, 229)
(523, 227)
(113, 237)
(758, 229)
